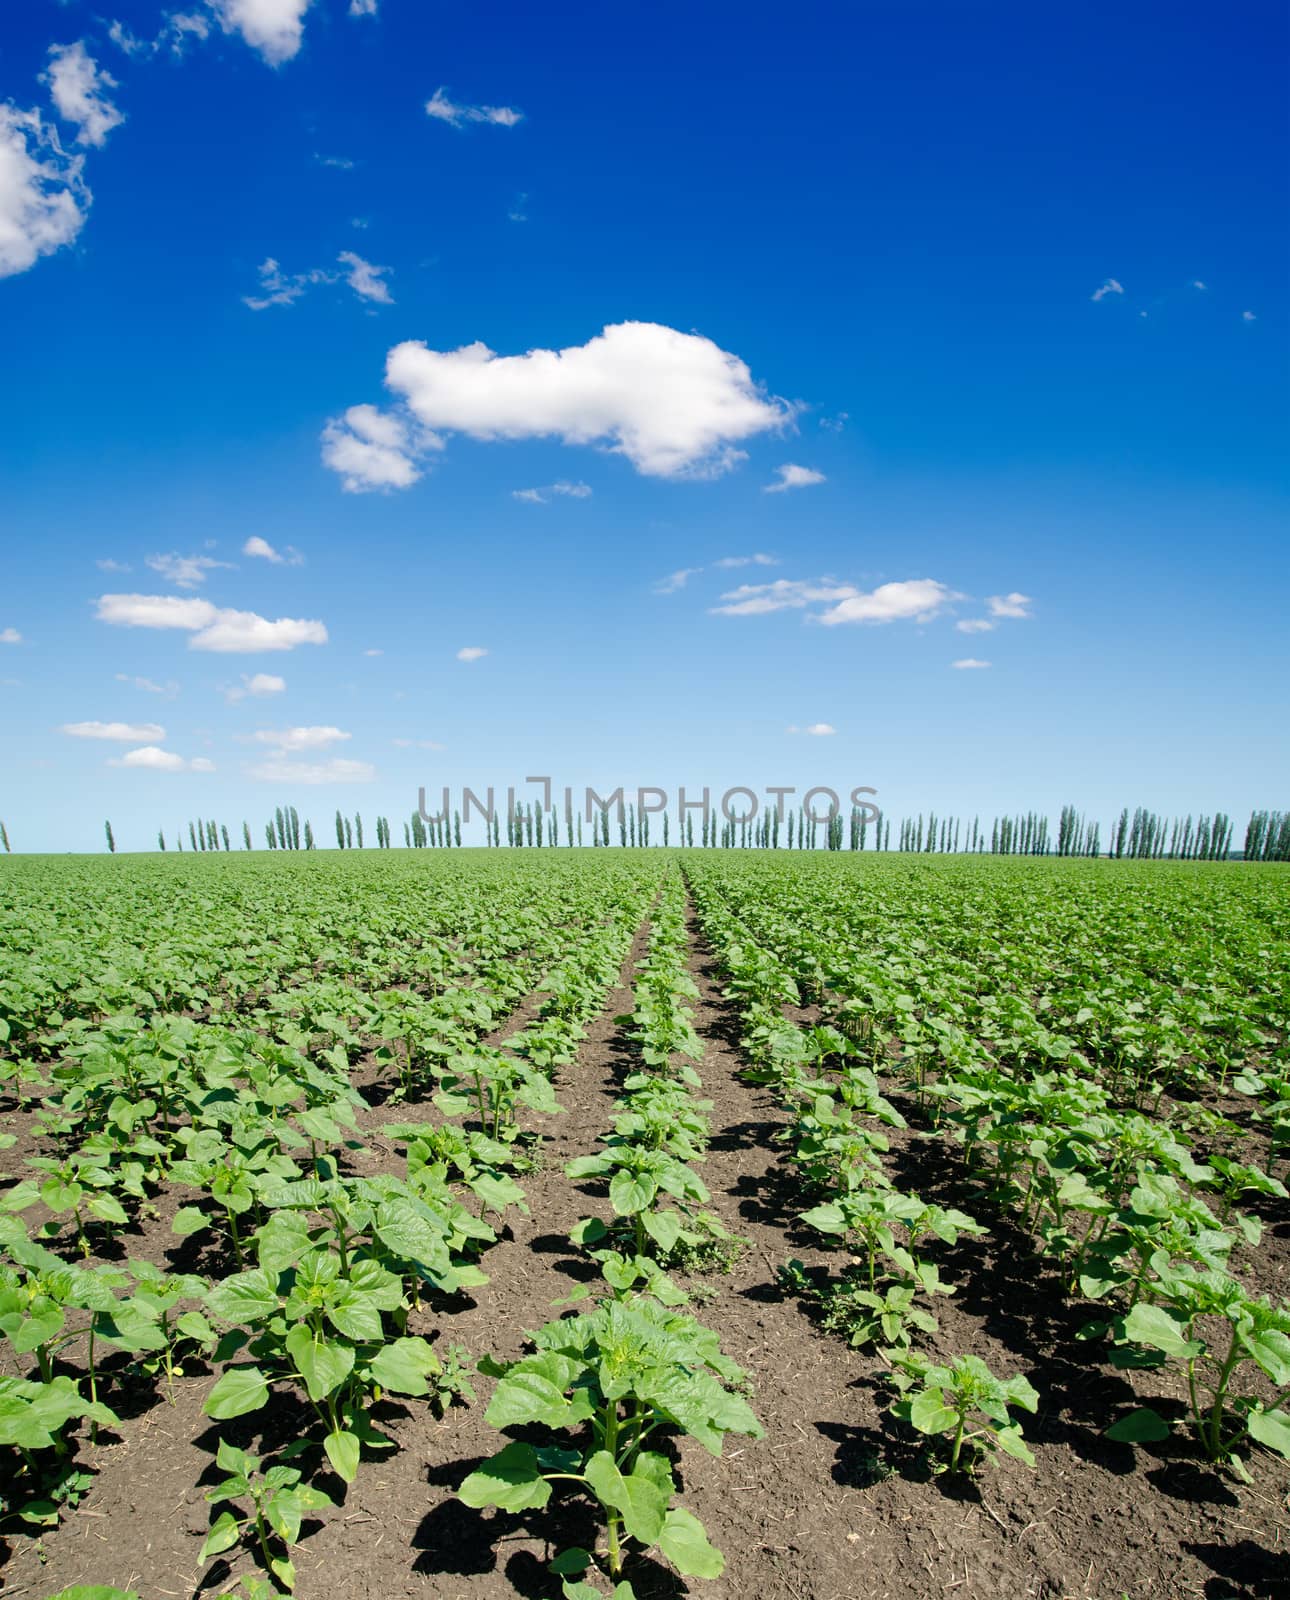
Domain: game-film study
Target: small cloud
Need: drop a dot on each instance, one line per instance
(1009, 605)
(444, 110)
(167, 690)
(366, 279)
(336, 770)
(818, 730)
(374, 652)
(121, 732)
(969, 664)
(471, 652)
(416, 744)
(274, 28)
(518, 211)
(77, 87)
(1111, 286)
(339, 163)
(793, 477)
(540, 497)
(257, 686)
(1248, 316)
(185, 572)
(676, 580)
(758, 560)
(108, 565)
(835, 424)
(152, 759)
(1197, 284)
(362, 8)
(212, 627)
(294, 740)
(288, 557)
(976, 625)
(10, 636)
(371, 449)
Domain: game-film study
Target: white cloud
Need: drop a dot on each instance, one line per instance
(676, 580)
(976, 625)
(372, 449)
(758, 560)
(213, 627)
(540, 497)
(443, 110)
(1009, 605)
(178, 31)
(374, 652)
(1248, 316)
(279, 289)
(362, 8)
(337, 770)
(257, 685)
(794, 477)
(340, 163)
(518, 211)
(672, 403)
(1197, 284)
(288, 556)
(122, 732)
(273, 27)
(185, 572)
(821, 730)
(471, 652)
(108, 565)
(152, 759)
(757, 599)
(835, 424)
(1111, 286)
(167, 690)
(294, 740)
(416, 744)
(10, 636)
(365, 279)
(917, 599)
(969, 664)
(43, 199)
(76, 86)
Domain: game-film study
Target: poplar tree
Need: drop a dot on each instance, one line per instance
(224, 833)
(4, 837)
(111, 842)
(340, 830)
(309, 834)
(161, 838)
(456, 829)
(358, 828)
(246, 835)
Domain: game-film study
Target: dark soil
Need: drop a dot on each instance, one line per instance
(835, 1503)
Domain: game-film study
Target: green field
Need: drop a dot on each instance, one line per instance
(489, 1223)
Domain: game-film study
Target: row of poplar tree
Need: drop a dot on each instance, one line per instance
(1142, 835)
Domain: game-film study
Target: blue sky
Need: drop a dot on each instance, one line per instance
(951, 314)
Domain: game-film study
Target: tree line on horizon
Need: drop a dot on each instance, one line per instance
(1138, 835)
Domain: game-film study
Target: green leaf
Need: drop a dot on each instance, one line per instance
(403, 1365)
(533, 1391)
(1271, 1428)
(685, 1544)
(573, 1560)
(511, 1479)
(1010, 1440)
(929, 1413)
(1154, 1327)
(343, 1450)
(1139, 1427)
(322, 1363)
(94, 1591)
(240, 1390)
(246, 1297)
(629, 1194)
(641, 1496)
(189, 1220)
(222, 1536)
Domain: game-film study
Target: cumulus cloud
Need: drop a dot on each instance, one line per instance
(294, 740)
(444, 110)
(758, 560)
(471, 652)
(150, 758)
(976, 625)
(821, 730)
(167, 690)
(1009, 605)
(287, 557)
(79, 91)
(185, 572)
(540, 497)
(257, 685)
(675, 404)
(1111, 286)
(969, 664)
(274, 28)
(43, 198)
(794, 477)
(916, 599)
(10, 636)
(336, 770)
(373, 449)
(122, 732)
(212, 627)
